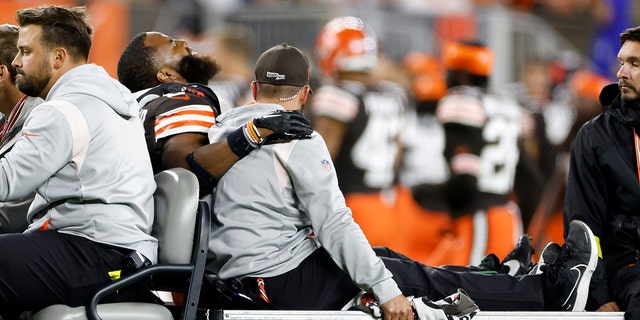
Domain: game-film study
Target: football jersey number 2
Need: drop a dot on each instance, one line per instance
(499, 155)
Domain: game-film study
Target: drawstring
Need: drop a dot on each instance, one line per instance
(262, 292)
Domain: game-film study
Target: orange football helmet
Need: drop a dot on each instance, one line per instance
(346, 44)
(473, 59)
(428, 80)
(588, 84)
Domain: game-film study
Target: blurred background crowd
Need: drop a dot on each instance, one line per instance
(573, 33)
(551, 56)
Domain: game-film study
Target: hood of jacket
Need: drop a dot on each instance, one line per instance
(93, 80)
(625, 112)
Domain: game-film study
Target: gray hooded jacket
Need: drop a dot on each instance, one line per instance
(277, 205)
(83, 152)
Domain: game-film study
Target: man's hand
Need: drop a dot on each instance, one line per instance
(398, 308)
(609, 307)
(286, 126)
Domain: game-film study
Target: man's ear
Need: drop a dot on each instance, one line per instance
(304, 94)
(254, 90)
(4, 72)
(59, 56)
(165, 75)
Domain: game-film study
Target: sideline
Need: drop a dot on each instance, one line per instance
(357, 315)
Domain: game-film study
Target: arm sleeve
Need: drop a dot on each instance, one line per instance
(44, 148)
(316, 184)
(462, 118)
(587, 192)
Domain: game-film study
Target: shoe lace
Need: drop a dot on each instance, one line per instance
(566, 252)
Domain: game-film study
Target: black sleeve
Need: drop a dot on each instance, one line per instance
(461, 190)
(528, 186)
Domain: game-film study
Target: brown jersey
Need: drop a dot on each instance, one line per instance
(172, 108)
(367, 161)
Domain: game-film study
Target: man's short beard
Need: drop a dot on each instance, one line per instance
(198, 69)
(632, 101)
(626, 96)
(34, 84)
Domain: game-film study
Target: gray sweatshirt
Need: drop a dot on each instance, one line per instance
(13, 214)
(277, 205)
(88, 164)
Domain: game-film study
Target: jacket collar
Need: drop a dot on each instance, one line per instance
(627, 113)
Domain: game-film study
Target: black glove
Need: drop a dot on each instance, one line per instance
(286, 126)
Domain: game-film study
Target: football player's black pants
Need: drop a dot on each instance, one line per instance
(319, 284)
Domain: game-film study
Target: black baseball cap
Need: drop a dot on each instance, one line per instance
(283, 65)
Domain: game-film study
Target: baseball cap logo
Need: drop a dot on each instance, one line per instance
(275, 75)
